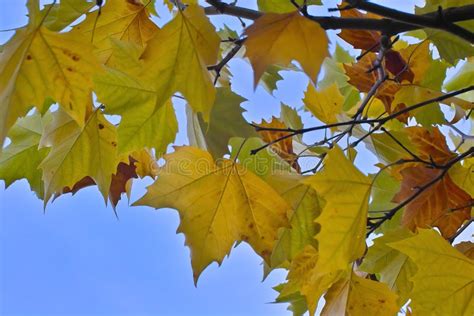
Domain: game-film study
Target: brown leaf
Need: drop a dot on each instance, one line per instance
(467, 248)
(361, 77)
(431, 145)
(366, 40)
(283, 148)
(397, 66)
(118, 185)
(443, 204)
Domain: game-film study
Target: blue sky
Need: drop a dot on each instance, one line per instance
(78, 259)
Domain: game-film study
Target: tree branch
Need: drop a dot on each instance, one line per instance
(432, 20)
(445, 168)
(388, 26)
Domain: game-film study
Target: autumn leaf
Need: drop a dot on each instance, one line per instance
(191, 37)
(346, 192)
(306, 207)
(219, 203)
(391, 266)
(280, 38)
(362, 76)
(78, 152)
(126, 20)
(226, 121)
(20, 159)
(283, 148)
(356, 295)
(443, 204)
(56, 65)
(366, 40)
(444, 282)
(326, 104)
(305, 277)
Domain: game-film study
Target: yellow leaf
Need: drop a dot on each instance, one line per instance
(326, 104)
(38, 63)
(280, 38)
(305, 277)
(126, 20)
(176, 59)
(356, 296)
(76, 153)
(219, 203)
(343, 218)
(444, 281)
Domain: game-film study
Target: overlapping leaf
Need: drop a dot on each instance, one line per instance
(219, 203)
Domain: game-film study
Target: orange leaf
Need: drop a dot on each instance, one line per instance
(431, 145)
(443, 204)
(366, 40)
(118, 185)
(283, 148)
(361, 77)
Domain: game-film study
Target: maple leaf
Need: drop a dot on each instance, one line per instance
(326, 104)
(219, 203)
(20, 159)
(443, 204)
(391, 266)
(283, 148)
(305, 277)
(306, 207)
(127, 20)
(366, 40)
(444, 282)
(356, 295)
(362, 76)
(176, 59)
(78, 152)
(57, 65)
(281, 38)
(226, 121)
(346, 192)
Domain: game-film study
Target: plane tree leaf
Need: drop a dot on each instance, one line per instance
(346, 192)
(220, 203)
(20, 159)
(444, 281)
(50, 64)
(79, 152)
(281, 38)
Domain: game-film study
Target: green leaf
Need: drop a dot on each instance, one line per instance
(225, 121)
(21, 158)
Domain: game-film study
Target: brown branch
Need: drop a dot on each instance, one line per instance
(445, 168)
(387, 26)
(380, 121)
(463, 228)
(421, 21)
(218, 67)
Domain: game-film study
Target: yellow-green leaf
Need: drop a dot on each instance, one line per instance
(444, 281)
(343, 219)
(20, 159)
(176, 59)
(38, 63)
(76, 153)
(119, 19)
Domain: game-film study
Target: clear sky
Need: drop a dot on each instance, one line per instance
(78, 259)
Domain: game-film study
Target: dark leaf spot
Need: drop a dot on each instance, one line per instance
(101, 126)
